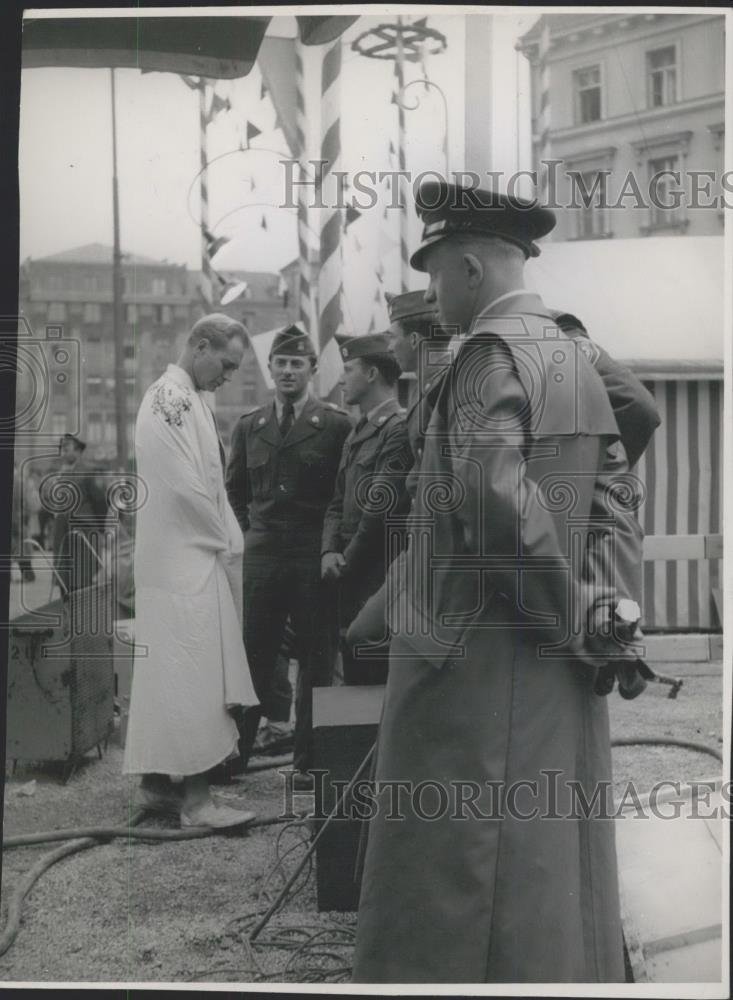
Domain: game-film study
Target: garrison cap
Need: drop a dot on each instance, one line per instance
(81, 445)
(410, 305)
(450, 209)
(291, 340)
(364, 347)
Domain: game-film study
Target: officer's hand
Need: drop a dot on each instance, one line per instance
(332, 565)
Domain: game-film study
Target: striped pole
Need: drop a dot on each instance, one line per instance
(402, 160)
(544, 116)
(330, 281)
(304, 294)
(207, 284)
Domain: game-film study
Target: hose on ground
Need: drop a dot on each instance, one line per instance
(654, 741)
(102, 834)
(82, 838)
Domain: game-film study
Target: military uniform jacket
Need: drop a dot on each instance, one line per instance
(417, 419)
(280, 488)
(369, 487)
(634, 408)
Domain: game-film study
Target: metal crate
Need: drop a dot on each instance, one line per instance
(60, 694)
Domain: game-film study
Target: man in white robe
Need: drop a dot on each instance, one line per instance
(190, 669)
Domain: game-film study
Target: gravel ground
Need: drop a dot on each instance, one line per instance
(137, 912)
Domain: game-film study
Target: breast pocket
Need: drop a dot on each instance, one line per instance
(316, 473)
(365, 489)
(259, 471)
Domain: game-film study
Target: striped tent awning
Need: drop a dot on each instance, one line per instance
(682, 471)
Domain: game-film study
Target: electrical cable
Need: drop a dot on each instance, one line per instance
(653, 741)
(309, 944)
(278, 902)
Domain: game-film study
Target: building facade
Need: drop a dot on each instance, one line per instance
(68, 296)
(631, 110)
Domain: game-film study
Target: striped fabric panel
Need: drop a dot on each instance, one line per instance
(402, 163)
(330, 275)
(544, 111)
(304, 291)
(682, 471)
(207, 284)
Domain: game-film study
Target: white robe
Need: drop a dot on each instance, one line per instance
(190, 663)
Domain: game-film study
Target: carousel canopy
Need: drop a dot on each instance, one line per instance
(656, 302)
(223, 47)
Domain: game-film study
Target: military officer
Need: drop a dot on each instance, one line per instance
(280, 479)
(487, 687)
(415, 334)
(370, 486)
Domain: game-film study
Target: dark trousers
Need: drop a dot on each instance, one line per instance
(278, 587)
(362, 665)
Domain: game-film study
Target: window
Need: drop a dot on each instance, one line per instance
(94, 428)
(590, 198)
(159, 286)
(587, 94)
(664, 189)
(92, 312)
(110, 429)
(130, 383)
(661, 73)
(94, 385)
(163, 315)
(132, 315)
(129, 352)
(56, 312)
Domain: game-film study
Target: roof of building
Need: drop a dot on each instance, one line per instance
(264, 285)
(97, 253)
(560, 22)
(670, 312)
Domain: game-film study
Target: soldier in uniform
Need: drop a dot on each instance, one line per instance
(369, 488)
(77, 533)
(420, 345)
(280, 479)
(490, 689)
(634, 408)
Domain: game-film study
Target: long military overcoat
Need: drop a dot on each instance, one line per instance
(484, 865)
